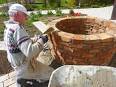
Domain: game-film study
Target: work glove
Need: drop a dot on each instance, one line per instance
(35, 38)
(44, 38)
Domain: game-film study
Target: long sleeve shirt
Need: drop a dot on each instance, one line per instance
(21, 49)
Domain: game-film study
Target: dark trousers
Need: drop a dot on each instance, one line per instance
(31, 83)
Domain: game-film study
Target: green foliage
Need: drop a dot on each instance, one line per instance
(38, 6)
(49, 13)
(52, 3)
(59, 12)
(39, 13)
(101, 2)
(3, 17)
(96, 3)
(4, 14)
(3, 1)
(29, 7)
(68, 3)
(33, 17)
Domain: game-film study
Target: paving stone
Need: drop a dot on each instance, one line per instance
(1, 84)
(4, 77)
(9, 82)
(12, 74)
(13, 85)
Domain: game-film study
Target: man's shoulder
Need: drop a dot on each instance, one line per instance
(10, 24)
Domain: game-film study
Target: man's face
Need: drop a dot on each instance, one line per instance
(20, 17)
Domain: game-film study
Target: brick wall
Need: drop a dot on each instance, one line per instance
(90, 48)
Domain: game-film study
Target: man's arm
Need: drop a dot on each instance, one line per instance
(25, 44)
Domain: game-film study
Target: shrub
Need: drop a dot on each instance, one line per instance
(50, 13)
(96, 3)
(59, 12)
(68, 3)
(52, 3)
(39, 13)
(4, 14)
(34, 17)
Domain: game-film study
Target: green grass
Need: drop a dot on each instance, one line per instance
(3, 1)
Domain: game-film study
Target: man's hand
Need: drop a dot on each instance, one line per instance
(44, 38)
(35, 38)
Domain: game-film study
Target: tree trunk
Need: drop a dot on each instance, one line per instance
(113, 17)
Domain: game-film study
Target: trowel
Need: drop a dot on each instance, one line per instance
(42, 27)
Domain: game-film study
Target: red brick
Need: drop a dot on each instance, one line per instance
(88, 44)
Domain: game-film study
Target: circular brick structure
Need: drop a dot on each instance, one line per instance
(83, 40)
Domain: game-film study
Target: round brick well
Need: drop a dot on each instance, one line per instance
(83, 40)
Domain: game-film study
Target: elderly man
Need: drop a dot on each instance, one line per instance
(22, 51)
